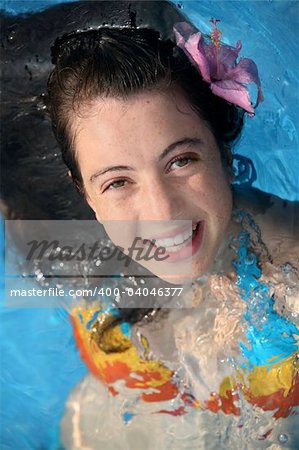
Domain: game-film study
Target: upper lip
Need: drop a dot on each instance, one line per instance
(172, 233)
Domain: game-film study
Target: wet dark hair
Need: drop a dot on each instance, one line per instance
(120, 62)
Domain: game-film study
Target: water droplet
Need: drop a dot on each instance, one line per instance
(11, 36)
(180, 5)
(296, 360)
(41, 107)
(283, 438)
(39, 275)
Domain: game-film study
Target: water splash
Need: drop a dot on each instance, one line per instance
(271, 336)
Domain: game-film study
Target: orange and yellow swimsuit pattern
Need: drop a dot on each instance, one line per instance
(272, 388)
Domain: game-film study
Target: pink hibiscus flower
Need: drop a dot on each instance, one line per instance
(217, 65)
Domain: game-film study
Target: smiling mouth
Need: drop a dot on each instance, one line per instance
(176, 243)
(182, 245)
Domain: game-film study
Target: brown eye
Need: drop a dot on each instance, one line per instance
(182, 161)
(116, 184)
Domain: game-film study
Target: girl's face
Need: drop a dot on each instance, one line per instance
(152, 158)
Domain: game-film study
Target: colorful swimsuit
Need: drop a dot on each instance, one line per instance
(275, 388)
(269, 380)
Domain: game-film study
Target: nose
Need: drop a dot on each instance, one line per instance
(161, 201)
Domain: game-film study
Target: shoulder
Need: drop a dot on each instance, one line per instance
(278, 220)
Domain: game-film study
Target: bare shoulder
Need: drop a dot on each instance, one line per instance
(278, 220)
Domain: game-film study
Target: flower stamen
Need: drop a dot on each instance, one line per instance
(215, 38)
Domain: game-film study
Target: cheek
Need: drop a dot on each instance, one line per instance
(212, 192)
(110, 209)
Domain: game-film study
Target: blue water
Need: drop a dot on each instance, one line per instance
(39, 366)
(39, 361)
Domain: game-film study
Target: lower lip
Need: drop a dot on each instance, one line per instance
(190, 249)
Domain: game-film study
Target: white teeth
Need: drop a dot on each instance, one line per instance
(177, 248)
(175, 244)
(176, 240)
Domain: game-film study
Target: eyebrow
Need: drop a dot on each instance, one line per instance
(170, 148)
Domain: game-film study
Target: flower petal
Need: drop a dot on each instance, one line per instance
(197, 52)
(228, 54)
(246, 72)
(233, 92)
(182, 32)
(218, 67)
(211, 55)
(189, 40)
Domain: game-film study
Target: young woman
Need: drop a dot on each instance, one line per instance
(146, 127)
